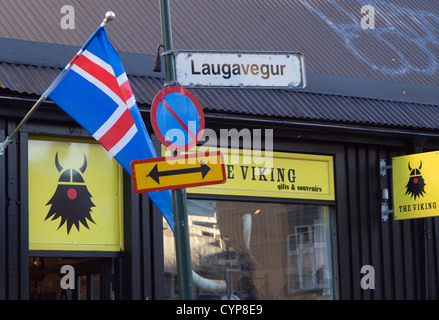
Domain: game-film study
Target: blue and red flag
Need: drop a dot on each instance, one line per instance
(96, 93)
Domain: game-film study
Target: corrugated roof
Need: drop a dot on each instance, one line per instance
(29, 79)
(26, 79)
(403, 46)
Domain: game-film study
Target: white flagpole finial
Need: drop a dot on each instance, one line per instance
(110, 15)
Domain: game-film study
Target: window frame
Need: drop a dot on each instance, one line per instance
(331, 207)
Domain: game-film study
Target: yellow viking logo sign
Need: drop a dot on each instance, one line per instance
(75, 196)
(416, 185)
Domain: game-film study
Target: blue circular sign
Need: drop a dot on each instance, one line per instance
(177, 118)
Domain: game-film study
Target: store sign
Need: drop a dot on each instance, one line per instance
(416, 185)
(240, 69)
(274, 174)
(75, 197)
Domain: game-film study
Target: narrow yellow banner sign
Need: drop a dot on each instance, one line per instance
(416, 185)
(273, 174)
(183, 171)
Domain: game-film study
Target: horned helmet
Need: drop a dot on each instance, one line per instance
(416, 184)
(71, 201)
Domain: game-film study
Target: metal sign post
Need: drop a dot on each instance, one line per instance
(181, 230)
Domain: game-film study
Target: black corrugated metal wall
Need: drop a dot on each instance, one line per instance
(396, 249)
(14, 273)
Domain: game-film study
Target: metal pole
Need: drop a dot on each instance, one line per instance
(181, 230)
(168, 55)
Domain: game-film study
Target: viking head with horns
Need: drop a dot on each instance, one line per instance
(72, 200)
(416, 185)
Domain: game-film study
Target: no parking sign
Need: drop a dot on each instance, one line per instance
(178, 121)
(177, 118)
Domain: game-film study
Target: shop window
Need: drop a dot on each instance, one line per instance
(261, 250)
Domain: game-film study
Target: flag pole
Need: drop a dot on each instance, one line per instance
(109, 16)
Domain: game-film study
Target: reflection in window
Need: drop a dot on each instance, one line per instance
(260, 250)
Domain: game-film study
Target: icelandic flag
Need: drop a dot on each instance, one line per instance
(96, 93)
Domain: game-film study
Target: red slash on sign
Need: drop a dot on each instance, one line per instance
(181, 122)
(177, 118)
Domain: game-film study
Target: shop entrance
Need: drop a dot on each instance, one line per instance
(93, 278)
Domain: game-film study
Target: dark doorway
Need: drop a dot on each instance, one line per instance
(93, 277)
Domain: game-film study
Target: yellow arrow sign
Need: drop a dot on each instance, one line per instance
(183, 171)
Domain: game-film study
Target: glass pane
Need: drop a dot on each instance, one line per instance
(96, 286)
(87, 279)
(260, 250)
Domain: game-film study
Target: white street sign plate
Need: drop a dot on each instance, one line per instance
(201, 69)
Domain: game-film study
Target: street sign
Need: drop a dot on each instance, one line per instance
(416, 185)
(282, 70)
(183, 171)
(177, 118)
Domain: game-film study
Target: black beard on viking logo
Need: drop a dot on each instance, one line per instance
(74, 210)
(71, 201)
(416, 185)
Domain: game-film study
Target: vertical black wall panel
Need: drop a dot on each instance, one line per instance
(140, 247)
(354, 216)
(434, 239)
(396, 249)
(365, 215)
(132, 244)
(146, 247)
(343, 229)
(386, 277)
(136, 245)
(158, 265)
(24, 218)
(12, 220)
(14, 250)
(374, 194)
(3, 237)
